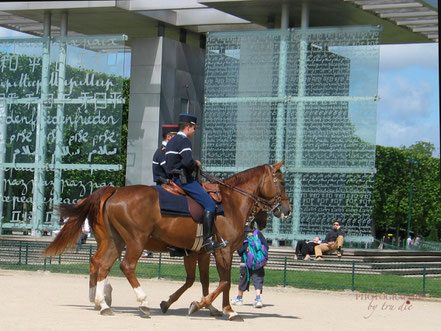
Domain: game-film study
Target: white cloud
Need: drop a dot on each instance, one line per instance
(391, 133)
(403, 99)
(396, 57)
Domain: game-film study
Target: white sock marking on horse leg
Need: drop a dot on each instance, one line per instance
(230, 314)
(99, 296)
(141, 296)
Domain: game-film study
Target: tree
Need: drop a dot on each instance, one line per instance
(391, 191)
(421, 147)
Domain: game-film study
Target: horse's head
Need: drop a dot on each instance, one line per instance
(273, 190)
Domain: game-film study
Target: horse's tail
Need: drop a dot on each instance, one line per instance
(89, 208)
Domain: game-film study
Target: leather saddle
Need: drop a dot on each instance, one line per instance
(174, 201)
(212, 189)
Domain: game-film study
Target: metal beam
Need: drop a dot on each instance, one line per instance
(330, 170)
(64, 166)
(59, 129)
(281, 93)
(16, 20)
(3, 134)
(41, 133)
(425, 29)
(408, 14)
(412, 21)
(393, 5)
(342, 98)
(36, 27)
(300, 114)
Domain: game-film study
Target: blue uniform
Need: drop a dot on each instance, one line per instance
(178, 155)
(158, 166)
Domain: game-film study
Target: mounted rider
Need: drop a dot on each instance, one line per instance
(180, 166)
(159, 175)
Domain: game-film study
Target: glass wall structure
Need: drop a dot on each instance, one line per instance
(306, 96)
(60, 124)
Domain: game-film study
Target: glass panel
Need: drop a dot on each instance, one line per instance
(335, 135)
(61, 105)
(309, 97)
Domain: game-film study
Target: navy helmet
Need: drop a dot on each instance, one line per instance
(188, 118)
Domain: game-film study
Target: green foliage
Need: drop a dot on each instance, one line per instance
(433, 235)
(421, 147)
(392, 191)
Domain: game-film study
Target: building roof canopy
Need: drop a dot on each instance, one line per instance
(403, 21)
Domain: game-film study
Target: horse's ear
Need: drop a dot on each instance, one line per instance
(277, 166)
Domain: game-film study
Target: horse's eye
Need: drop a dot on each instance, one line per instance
(282, 183)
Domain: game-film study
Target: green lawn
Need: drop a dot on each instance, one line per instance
(300, 279)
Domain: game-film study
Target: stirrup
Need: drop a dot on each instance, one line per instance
(212, 246)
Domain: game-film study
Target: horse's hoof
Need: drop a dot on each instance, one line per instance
(235, 317)
(164, 306)
(193, 308)
(145, 310)
(106, 312)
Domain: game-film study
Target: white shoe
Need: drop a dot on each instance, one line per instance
(258, 304)
(236, 302)
(307, 257)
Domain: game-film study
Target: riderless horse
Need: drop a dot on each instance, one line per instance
(132, 217)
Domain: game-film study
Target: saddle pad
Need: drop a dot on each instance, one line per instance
(172, 204)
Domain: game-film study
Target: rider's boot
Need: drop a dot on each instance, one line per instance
(207, 222)
(177, 251)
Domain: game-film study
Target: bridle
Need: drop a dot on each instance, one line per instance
(267, 205)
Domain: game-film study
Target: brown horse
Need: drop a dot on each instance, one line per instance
(104, 240)
(132, 217)
(155, 245)
(201, 258)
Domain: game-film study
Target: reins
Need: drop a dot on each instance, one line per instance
(264, 204)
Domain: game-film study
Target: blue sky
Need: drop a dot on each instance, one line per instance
(408, 110)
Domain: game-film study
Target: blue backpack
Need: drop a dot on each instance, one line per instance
(257, 254)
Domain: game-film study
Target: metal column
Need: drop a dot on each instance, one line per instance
(3, 133)
(300, 110)
(41, 134)
(281, 94)
(58, 156)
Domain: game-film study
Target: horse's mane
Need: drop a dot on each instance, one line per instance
(244, 176)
